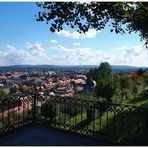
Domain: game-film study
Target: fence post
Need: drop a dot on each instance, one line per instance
(34, 107)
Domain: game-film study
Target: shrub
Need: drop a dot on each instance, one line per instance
(71, 110)
(48, 111)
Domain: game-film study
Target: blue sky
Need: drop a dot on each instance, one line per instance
(25, 41)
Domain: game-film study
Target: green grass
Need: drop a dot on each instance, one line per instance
(77, 119)
(133, 122)
(141, 98)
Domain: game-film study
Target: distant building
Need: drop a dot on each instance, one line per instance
(24, 77)
(83, 77)
(1, 85)
(36, 82)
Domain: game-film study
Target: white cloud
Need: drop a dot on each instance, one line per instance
(35, 47)
(12, 56)
(131, 55)
(10, 47)
(53, 41)
(90, 34)
(68, 34)
(36, 54)
(60, 48)
(76, 35)
(76, 44)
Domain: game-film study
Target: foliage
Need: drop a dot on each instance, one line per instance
(125, 82)
(125, 85)
(71, 110)
(88, 96)
(140, 72)
(13, 90)
(145, 79)
(2, 93)
(138, 78)
(23, 89)
(107, 82)
(48, 111)
(127, 117)
(93, 73)
(82, 16)
(141, 98)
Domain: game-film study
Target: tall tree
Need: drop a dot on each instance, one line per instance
(125, 85)
(107, 82)
(125, 16)
(140, 72)
(145, 78)
(92, 74)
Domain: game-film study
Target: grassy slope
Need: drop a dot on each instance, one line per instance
(133, 122)
(125, 124)
(140, 100)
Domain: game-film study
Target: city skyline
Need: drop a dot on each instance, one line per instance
(23, 40)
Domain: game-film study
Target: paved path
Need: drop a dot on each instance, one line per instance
(38, 135)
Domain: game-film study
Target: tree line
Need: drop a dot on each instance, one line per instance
(111, 84)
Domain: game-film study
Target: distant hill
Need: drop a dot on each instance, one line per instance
(126, 68)
(65, 67)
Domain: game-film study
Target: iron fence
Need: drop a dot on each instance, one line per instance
(118, 123)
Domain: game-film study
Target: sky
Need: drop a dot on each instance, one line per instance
(23, 40)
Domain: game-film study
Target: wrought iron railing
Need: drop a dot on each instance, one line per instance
(118, 123)
(15, 111)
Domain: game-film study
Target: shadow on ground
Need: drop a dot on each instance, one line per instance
(39, 135)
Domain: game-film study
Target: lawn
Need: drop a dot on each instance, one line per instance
(124, 123)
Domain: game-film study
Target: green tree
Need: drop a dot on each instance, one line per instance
(107, 82)
(13, 90)
(82, 16)
(125, 86)
(140, 72)
(48, 111)
(3, 94)
(145, 79)
(92, 73)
